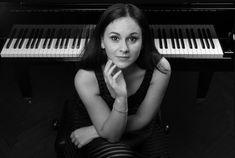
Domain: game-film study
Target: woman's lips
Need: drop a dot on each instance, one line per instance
(123, 57)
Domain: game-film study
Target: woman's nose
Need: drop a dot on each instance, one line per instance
(124, 47)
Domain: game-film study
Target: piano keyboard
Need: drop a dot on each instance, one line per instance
(61, 41)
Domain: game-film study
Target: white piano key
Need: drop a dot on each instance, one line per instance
(162, 40)
(169, 49)
(219, 51)
(41, 52)
(185, 52)
(81, 48)
(12, 52)
(5, 50)
(22, 50)
(188, 51)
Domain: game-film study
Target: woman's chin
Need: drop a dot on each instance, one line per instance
(121, 65)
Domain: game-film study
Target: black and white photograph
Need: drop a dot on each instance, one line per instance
(117, 79)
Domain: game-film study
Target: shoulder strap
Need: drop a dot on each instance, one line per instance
(100, 80)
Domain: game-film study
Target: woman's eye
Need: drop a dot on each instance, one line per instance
(133, 39)
(114, 38)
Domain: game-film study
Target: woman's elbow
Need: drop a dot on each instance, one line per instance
(110, 136)
(113, 140)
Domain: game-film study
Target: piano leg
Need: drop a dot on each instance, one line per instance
(204, 80)
(23, 79)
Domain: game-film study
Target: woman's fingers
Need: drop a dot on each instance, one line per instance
(79, 145)
(111, 71)
(107, 66)
(74, 139)
(115, 76)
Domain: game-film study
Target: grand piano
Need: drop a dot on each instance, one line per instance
(194, 35)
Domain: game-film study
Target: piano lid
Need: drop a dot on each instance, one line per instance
(136, 2)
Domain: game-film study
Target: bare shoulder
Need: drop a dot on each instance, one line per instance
(164, 66)
(84, 75)
(162, 71)
(85, 81)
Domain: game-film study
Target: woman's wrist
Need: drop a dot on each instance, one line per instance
(94, 133)
(121, 99)
(120, 105)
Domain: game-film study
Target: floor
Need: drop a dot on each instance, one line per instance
(198, 129)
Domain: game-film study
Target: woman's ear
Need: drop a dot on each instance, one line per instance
(102, 43)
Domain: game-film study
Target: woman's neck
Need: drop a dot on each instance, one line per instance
(129, 70)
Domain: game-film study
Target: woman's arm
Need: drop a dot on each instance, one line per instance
(151, 104)
(109, 124)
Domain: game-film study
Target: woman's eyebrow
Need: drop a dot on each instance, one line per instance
(114, 33)
(133, 33)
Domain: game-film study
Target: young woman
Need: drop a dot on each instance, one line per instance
(120, 88)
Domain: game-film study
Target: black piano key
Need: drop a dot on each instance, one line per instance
(164, 39)
(75, 38)
(181, 38)
(194, 39)
(92, 31)
(67, 38)
(177, 38)
(34, 39)
(48, 32)
(154, 32)
(23, 38)
(189, 38)
(19, 36)
(79, 38)
(87, 36)
(160, 38)
(63, 36)
(172, 38)
(52, 35)
(58, 38)
(11, 38)
(201, 38)
(210, 38)
(39, 38)
(206, 38)
(30, 38)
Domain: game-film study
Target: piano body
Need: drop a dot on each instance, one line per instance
(192, 35)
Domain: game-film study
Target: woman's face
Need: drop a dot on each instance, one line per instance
(122, 41)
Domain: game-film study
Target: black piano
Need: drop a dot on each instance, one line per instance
(194, 35)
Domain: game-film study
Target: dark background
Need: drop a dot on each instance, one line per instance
(198, 129)
(123, 1)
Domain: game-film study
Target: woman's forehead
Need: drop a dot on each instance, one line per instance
(124, 25)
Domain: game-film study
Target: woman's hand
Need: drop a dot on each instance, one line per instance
(114, 77)
(82, 136)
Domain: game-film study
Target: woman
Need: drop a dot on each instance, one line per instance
(120, 88)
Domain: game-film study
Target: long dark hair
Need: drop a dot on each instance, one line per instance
(93, 54)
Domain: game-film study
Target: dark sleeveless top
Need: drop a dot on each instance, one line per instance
(134, 100)
(152, 131)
